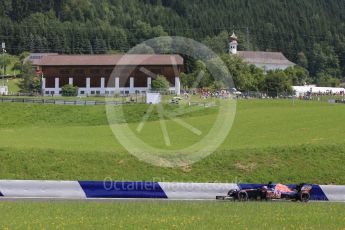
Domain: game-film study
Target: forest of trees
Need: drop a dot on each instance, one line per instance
(309, 32)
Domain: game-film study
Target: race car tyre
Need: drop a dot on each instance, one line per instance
(242, 196)
(263, 195)
(304, 197)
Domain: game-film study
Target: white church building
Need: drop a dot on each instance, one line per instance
(265, 60)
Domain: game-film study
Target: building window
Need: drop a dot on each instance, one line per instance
(92, 92)
(52, 92)
(82, 92)
(47, 92)
(98, 92)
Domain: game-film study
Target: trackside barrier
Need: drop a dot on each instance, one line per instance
(60, 102)
(137, 190)
(41, 189)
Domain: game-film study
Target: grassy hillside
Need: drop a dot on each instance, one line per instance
(270, 140)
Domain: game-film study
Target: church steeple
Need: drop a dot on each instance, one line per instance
(233, 44)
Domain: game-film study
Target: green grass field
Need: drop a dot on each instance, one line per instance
(171, 215)
(274, 140)
(269, 140)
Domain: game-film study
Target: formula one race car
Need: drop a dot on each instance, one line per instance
(270, 191)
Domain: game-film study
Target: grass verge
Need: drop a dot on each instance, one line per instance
(170, 215)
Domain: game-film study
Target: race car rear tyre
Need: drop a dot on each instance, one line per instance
(263, 196)
(304, 197)
(242, 196)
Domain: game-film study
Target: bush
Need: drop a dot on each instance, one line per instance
(160, 84)
(277, 82)
(69, 91)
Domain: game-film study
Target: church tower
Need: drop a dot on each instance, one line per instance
(233, 44)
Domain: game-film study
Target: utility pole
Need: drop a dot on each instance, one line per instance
(3, 46)
(248, 43)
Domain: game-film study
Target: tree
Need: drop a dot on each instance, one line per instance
(23, 55)
(99, 46)
(5, 61)
(39, 47)
(66, 25)
(324, 61)
(327, 81)
(31, 42)
(143, 31)
(185, 81)
(87, 47)
(142, 49)
(162, 45)
(31, 83)
(340, 49)
(58, 5)
(246, 77)
(219, 44)
(18, 65)
(302, 60)
(200, 78)
(69, 90)
(277, 82)
(298, 75)
(160, 84)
